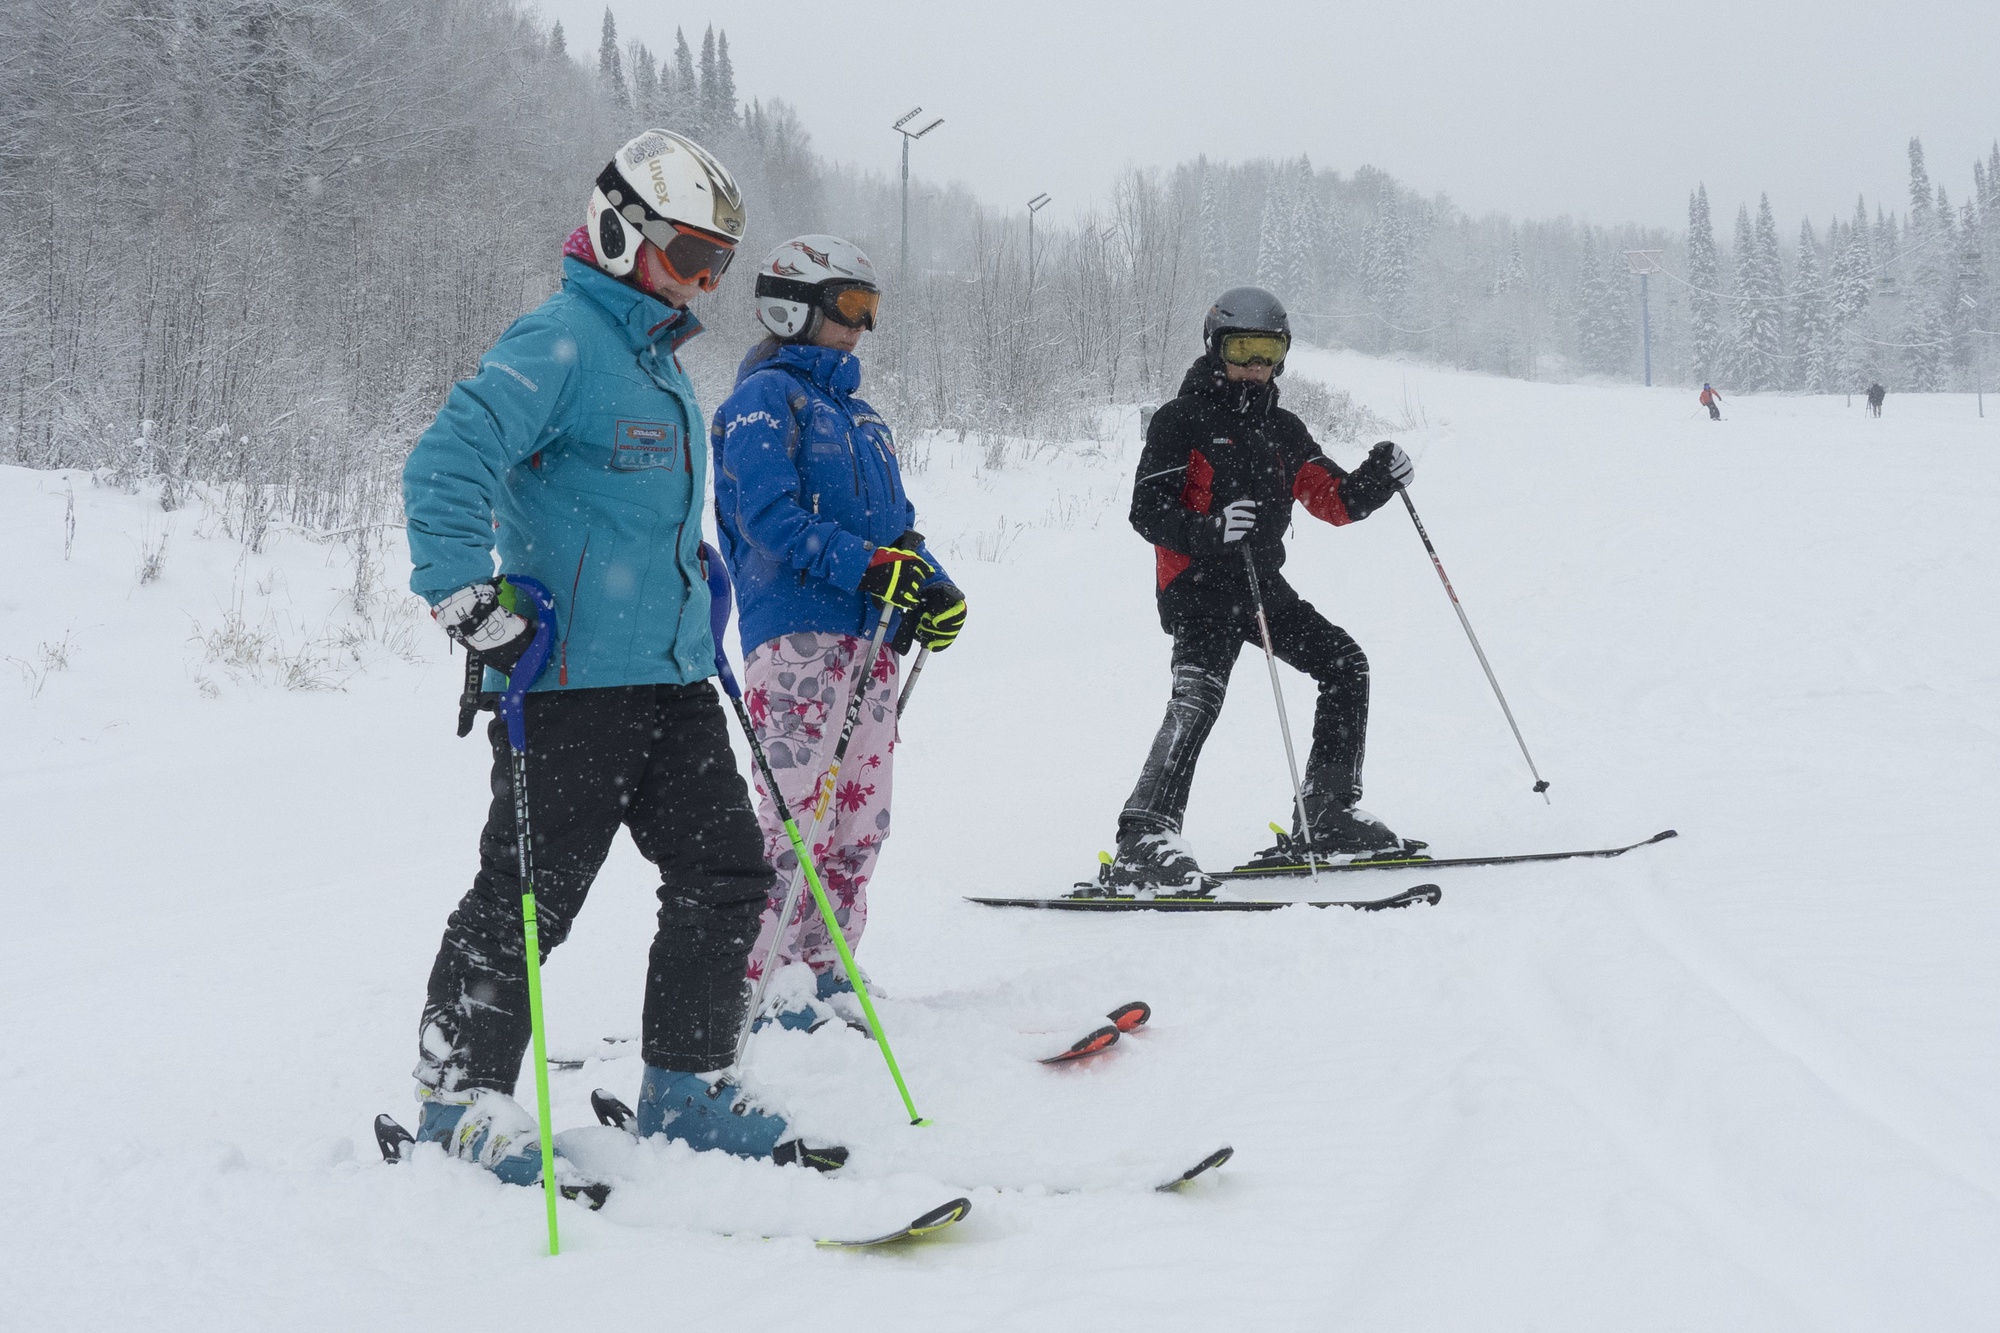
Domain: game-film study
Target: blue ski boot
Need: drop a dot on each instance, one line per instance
(485, 1127)
(710, 1112)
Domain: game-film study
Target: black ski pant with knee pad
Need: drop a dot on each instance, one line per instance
(655, 759)
(1204, 653)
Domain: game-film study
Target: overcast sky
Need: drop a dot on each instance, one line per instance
(1608, 112)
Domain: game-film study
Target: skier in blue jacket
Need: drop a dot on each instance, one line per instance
(818, 534)
(576, 454)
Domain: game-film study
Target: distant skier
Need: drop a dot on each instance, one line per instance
(577, 453)
(814, 523)
(1876, 393)
(1221, 468)
(1711, 400)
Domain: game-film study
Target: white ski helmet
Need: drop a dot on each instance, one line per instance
(810, 278)
(666, 188)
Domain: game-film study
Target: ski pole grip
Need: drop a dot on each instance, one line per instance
(721, 596)
(532, 661)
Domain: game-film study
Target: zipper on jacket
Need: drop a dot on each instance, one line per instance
(562, 671)
(802, 573)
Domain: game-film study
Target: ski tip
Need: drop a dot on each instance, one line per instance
(394, 1141)
(1206, 1164)
(592, 1196)
(1663, 835)
(612, 1112)
(1089, 1044)
(929, 1224)
(1128, 1017)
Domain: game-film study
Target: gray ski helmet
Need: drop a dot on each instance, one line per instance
(1244, 310)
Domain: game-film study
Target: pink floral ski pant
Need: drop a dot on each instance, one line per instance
(797, 688)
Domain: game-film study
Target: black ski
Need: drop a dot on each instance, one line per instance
(1422, 893)
(396, 1144)
(1208, 1163)
(1431, 863)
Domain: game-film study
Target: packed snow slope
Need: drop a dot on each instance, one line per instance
(1741, 1080)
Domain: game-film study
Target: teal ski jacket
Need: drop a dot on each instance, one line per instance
(577, 454)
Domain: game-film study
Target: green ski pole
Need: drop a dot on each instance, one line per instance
(512, 710)
(720, 595)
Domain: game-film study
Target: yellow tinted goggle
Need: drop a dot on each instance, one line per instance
(1247, 349)
(853, 306)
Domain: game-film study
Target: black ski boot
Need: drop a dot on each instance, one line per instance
(1339, 834)
(1149, 865)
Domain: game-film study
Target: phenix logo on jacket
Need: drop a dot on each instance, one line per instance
(806, 488)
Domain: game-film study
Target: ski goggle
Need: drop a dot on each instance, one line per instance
(1248, 349)
(692, 256)
(853, 304)
(854, 307)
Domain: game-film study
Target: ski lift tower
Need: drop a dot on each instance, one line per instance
(1645, 263)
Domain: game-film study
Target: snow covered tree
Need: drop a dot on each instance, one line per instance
(1603, 309)
(1706, 345)
(722, 101)
(1760, 301)
(1274, 231)
(1812, 319)
(711, 82)
(610, 67)
(645, 80)
(558, 44)
(1386, 262)
(684, 97)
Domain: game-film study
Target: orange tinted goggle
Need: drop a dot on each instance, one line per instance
(853, 306)
(1247, 349)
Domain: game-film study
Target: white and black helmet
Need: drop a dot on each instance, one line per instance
(666, 188)
(811, 278)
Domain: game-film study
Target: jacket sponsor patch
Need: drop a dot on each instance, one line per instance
(642, 444)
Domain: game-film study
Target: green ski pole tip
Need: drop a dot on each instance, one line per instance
(920, 1121)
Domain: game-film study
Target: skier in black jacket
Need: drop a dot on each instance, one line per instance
(1222, 466)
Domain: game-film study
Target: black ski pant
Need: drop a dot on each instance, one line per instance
(656, 759)
(1204, 653)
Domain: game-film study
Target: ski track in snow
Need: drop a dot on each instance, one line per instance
(1741, 1080)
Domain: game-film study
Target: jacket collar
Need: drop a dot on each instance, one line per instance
(837, 373)
(1206, 379)
(645, 321)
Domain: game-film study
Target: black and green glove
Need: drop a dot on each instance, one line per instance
(897, 571)
(942, 617)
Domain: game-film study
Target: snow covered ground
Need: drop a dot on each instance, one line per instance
(1742, 1080)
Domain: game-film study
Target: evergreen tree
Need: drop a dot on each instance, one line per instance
(1853, 283)
(1386, 262)
(1812, 319)
(1929, 286)
(1273, 231)
(558, 44)
(711, 83)
(611, 69)
(1212, 244)
(724, 106)
(1603, 309)
(1301, 240)
(645, 81)
(1705, 340)
(1760, 296)
(683, 90)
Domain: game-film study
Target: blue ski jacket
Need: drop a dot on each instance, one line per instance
(576, 453)
(806, 487)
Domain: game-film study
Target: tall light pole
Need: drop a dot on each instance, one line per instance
(909, 136)
(1645, 263)
(1035, 205)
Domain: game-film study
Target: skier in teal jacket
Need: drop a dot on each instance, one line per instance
(576, 454)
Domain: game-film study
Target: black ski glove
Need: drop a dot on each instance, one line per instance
(896, 572)
(1371, 485)
(943, 616)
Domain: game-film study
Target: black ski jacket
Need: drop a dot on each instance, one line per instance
(1221, 441)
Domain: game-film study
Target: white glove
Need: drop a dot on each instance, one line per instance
(474, 617)
(1238, 517)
